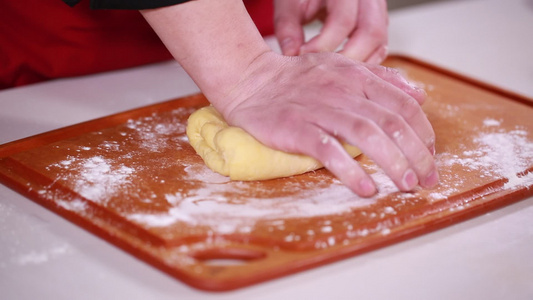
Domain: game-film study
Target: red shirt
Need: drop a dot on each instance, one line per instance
(41, 40)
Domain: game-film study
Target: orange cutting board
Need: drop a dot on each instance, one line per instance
(133, 179)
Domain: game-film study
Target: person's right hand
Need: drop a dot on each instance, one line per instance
(308, 104)
(360, 24)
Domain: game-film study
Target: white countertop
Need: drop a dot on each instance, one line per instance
(43, 256)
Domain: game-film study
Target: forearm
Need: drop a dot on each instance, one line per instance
(214, 41)
(305, 104)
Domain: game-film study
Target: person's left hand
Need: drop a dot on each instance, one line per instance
(360, 24)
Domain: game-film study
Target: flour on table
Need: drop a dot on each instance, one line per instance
(40, 257)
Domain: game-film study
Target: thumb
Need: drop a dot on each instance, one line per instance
(288, 26)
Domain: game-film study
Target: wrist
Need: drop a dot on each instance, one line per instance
(215, 41)
(258, 72)
(220, 82)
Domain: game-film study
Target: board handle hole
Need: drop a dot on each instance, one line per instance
(227, 256)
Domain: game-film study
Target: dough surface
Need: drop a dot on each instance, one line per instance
(233, 152)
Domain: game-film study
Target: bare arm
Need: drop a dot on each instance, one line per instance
(305, 104)
(215, 42)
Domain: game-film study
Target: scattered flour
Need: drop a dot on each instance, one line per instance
(503, 154)
(154, 135)
(197, 207)
(77, 205)
(97, 181)
(199, 172)
(40, 257)
(491, 122)
(497, 153)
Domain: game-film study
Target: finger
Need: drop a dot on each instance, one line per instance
(317, 143)
(394, 77)
(374, 142)
(398, 130)
(339, 23)
(378, 56)
(417, 154)
(288, 26)
(371, 32)
(395, 100)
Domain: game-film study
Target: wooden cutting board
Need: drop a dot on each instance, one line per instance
(133, 179)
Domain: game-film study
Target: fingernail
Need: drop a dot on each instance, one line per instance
(409, 180)
(367, 187)
(432, 179)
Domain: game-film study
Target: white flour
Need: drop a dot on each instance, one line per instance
(498, 153)
(501, 154)
(100, 179)
(491, 122)
(209, 206)
(40, 257)
(97, 181)
(154, 136)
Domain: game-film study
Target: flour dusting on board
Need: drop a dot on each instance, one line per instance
(503, 154)
(209, 199)
(112, 170)
(151, 135)
(99, 179)
(209, 204)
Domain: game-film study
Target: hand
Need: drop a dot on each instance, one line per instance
(304, 104)
(361, 23)
(308, 104)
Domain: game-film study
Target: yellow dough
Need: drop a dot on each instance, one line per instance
(233, 152)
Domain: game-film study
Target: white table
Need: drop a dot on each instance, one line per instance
(43, 256)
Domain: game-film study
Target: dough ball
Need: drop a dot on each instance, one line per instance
(233, 152)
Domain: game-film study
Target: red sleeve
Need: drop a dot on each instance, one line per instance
(127, 4)
(52, 40)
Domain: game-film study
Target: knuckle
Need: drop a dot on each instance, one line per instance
(392, 123)
(427, 163)
(283, 24)
(398, 168)
(281, 19)
(346, 20)
(364, 130)
(409, 108)
(363, 76)
(394, 73)
(377, 32)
